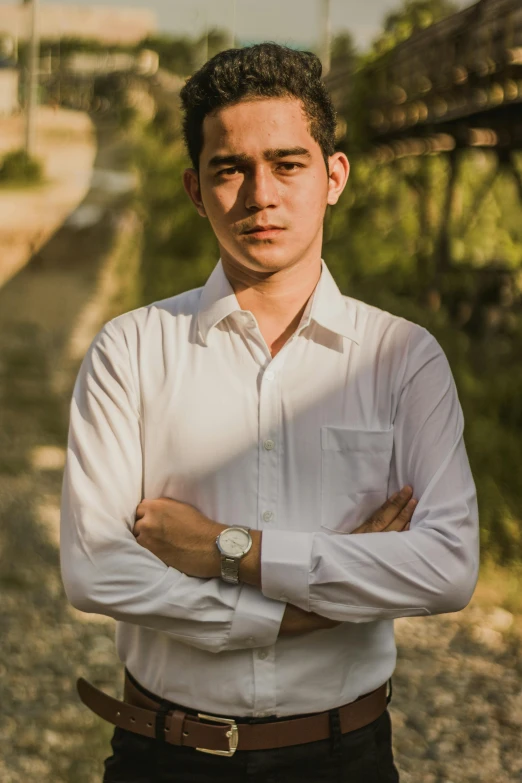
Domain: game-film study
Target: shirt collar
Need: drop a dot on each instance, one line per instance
(327, 306)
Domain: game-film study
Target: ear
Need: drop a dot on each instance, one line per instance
(191, 185)
(339, 166)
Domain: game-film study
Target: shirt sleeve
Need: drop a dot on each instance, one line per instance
(431, 568)
(104, 569)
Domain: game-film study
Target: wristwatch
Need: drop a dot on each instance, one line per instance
(233, 543)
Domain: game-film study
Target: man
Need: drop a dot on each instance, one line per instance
(225, 445)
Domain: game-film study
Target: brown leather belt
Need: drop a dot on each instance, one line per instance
(223, 736)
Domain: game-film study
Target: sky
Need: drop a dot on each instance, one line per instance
(296, 22)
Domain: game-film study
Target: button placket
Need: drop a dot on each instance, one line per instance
(269, 414)
(268, 489)
(264, 681)
(269, 404)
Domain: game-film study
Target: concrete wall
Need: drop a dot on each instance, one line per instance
(8, 91)
(110, 25)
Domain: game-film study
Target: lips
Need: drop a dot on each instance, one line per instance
(262, 229)
(264, 232)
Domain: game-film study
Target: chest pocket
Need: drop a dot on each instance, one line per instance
(355, 469)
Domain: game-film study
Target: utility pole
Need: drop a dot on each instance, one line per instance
(233, 30)
(326, 41)
(206, 31)
(31, 89)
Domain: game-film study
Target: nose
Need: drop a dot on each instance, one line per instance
(261, 190)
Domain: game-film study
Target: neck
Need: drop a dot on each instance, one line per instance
(277, 300)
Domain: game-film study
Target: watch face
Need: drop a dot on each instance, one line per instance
(234, 542)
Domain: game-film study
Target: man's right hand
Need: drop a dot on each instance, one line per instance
(394, 514)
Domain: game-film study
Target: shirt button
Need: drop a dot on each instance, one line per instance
(269, 445)
(262, 655)
(250, 640)
(268, 516)
(269, 375)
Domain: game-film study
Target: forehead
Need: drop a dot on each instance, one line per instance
(254, 125)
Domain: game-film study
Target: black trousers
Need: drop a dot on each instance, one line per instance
(361, 756)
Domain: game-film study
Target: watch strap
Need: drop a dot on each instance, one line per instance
(230, 569)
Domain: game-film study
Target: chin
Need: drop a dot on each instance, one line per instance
(271, 258)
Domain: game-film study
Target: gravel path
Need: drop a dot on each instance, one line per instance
(49, 312)
(66, 145)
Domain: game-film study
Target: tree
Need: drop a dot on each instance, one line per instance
(176, 54)
(412, 15)
(344, 52)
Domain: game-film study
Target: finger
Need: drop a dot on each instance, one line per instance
(391, 509)
(403, 519)
(142, 508)
(139, 527)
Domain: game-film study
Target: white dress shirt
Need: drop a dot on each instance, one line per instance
(182, 399)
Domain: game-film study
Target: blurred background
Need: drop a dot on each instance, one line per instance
(94, 221)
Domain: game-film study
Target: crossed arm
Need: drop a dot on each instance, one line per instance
(121, 556)
(184, 539)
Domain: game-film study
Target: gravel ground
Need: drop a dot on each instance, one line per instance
(457, 698)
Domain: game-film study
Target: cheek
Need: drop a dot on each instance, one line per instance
(308, 204)
(219, 203)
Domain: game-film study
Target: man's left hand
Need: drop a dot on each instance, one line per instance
(180, 535)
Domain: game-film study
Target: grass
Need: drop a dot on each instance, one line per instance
(20, 168)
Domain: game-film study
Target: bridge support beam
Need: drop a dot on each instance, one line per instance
(516, 174)
(479, 199)
(443, 247)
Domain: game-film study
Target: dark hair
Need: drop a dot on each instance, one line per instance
(265, 70)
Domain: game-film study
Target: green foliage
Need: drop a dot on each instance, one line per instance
(418, 14)
(343, 49)
(383, 244)
(63, 47)
(411, 16)
(379, 245)
(183, 55)
(218, 40)
(18, 168)
(176, 54)
(180, 250)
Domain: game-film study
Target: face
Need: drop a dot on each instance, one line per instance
(263, 184)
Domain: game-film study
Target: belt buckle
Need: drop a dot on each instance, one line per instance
(232, 735)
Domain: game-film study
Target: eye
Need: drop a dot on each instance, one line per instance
(289, 166)
(230, 171)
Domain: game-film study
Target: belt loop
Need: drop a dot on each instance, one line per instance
(388, 697)
(336, 738)
(159, 728)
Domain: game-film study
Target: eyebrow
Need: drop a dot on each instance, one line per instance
(270, 155)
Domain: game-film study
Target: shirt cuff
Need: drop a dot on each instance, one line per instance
(256, 620)
(285, 566)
